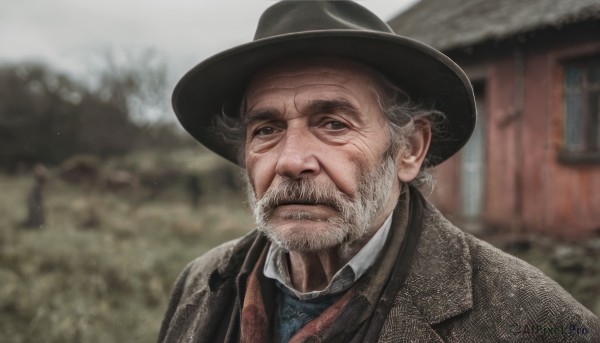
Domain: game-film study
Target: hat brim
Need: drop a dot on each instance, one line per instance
(425, 74)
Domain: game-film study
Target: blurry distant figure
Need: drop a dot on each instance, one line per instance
(92, 219)
(194, 189)
(229, 179)
(35, 199)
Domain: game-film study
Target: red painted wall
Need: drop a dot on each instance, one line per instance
(447, 187)
(526, 185)
(536, 119)
(501, 162)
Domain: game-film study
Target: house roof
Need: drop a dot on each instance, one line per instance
(448, 24)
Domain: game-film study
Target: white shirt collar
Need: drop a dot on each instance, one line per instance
(276, 266)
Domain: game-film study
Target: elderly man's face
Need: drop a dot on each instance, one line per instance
(315, 147)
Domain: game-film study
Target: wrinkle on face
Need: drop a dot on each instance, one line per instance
(268, 96)
(285, 92)
(292, 138)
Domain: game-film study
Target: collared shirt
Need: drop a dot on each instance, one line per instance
(276, 266)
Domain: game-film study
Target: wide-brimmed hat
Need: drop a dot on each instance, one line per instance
(327, 28)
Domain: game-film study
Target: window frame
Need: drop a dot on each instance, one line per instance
(588, 153)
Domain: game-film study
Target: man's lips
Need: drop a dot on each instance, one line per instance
(305, 203)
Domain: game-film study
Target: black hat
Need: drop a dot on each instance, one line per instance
(327, 28)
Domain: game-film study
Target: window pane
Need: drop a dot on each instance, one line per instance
(573, 109)
(593, 75)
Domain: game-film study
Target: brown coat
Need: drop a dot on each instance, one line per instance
(460, 289)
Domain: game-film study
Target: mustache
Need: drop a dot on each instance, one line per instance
(304, 191)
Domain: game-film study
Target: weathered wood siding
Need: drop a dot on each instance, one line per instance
(526, 185)
(447, 187)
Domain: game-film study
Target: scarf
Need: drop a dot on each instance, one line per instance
(358, 315)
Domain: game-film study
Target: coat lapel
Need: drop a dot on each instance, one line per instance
(207, 297)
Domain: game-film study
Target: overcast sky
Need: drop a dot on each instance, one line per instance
(69, 34)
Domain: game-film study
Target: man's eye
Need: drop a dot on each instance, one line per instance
(335, 125)
(264, 131)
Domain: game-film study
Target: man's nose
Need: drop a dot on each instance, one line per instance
(297, 158)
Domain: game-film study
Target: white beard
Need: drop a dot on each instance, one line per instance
(354, 215)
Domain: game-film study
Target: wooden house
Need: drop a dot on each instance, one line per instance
(534, 159)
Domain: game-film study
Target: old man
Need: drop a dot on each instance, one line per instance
(335, 119)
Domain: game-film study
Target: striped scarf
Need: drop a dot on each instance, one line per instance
(359, 314)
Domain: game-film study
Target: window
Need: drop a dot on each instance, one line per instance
(582, 110)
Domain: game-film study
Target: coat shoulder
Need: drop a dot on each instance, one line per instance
(192, 287)
(502, 279)
(220, 259)
(513, 300)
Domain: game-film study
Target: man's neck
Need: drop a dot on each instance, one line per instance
(313, 271)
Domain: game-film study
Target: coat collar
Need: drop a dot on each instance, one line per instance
(439, 282)
(438, 286)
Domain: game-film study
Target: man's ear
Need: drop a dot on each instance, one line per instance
(409, 160)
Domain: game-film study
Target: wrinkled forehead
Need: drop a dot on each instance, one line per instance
(295, 73)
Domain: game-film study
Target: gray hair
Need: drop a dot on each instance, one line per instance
(403, 117)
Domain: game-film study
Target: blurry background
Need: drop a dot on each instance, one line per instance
(103, 199)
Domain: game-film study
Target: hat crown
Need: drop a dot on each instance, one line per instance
(292, 16)
(343, 29)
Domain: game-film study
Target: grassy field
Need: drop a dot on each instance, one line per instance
(109, 283)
